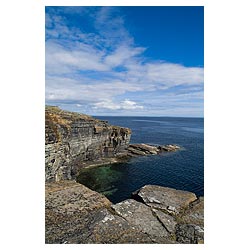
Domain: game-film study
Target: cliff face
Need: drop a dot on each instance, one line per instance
(72, 139)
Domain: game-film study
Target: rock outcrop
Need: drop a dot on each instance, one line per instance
(76, 214)
(143, 149)
(73, 140)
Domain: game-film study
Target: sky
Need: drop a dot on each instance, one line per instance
(125, 61)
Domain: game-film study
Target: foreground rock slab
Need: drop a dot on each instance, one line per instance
(143, 217)
(74, 214)
(168, 199)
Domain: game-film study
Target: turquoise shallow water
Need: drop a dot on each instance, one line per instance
(183, 169)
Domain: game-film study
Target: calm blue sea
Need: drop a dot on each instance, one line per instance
(183, 169)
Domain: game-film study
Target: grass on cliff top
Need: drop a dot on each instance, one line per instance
(68, 114)
(64, 117)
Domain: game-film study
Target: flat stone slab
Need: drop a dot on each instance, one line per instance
(74, 214)
(107, 227)
(69, 206)
(167, 220)
(141, 216)
(168, 199)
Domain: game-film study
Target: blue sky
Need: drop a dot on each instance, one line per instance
(129, 61)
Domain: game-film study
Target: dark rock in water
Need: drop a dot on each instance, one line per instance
(145, 149)
(168, 148)
(167, 199)
(73, 140)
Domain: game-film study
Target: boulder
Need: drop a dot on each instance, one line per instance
(167, 199)
(74, 214)
(143, 218)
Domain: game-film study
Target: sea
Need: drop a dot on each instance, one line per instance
(183, 169)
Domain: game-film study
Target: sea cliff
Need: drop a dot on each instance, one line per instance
(74, 140)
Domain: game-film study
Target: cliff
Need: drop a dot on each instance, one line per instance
(73, 140)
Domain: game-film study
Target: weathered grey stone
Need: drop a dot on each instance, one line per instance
(168, 199)
(68, 208)
(141, 216)
(195, 213)
(110, 228)
(167, 220)
(189, 234)
(75, 214)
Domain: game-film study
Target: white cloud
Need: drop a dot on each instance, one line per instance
(173, 74)
(60, 59)
(122, 55)
(123, 105)
(130, 105)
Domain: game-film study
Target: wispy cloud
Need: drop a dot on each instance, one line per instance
(105, 68)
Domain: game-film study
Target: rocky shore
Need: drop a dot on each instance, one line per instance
(145, 149)
(74, 141)
(154, 214)
(76, 214)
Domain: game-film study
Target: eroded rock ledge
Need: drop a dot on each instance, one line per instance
(143, 149)
(154, 214)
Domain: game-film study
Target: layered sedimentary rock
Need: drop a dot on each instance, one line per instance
(142, 149)
(76, 214)
(73, 139)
